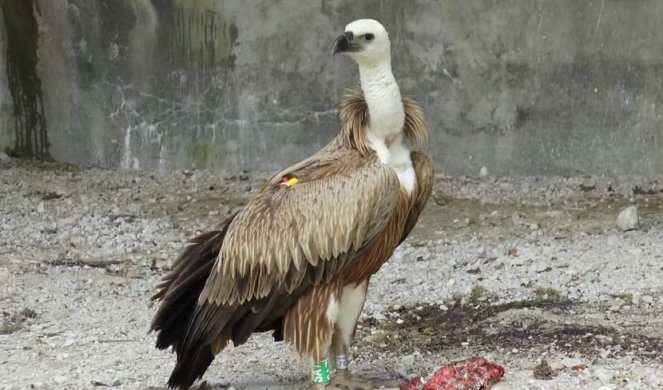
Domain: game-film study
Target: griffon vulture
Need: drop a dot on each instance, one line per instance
(298, 258)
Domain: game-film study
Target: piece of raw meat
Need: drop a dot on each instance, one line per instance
(475, 373)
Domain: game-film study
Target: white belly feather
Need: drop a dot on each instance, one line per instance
(397, 157)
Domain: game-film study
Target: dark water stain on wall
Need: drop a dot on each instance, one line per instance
(31, 138)
(203, 37)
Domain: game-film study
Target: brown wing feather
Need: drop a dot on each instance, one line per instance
(285, 234)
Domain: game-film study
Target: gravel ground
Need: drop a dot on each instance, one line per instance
(531, 273)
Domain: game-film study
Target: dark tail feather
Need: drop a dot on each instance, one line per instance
(190, 367)
(179, 294)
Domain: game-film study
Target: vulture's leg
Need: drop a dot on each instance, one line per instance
(352, 302)
(309, 325)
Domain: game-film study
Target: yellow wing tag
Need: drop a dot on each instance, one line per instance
(289, 181)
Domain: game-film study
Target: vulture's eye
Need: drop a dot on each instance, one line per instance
(369, 37)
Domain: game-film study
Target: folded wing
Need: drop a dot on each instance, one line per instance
(308, 232)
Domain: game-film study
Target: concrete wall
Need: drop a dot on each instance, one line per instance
(520, 86)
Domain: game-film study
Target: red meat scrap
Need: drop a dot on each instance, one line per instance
(474, 373)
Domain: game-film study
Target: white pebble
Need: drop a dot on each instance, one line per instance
(408, 360)
(628, 218)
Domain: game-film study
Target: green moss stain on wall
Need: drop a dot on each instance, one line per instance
(202, 155)
(31, 139)
(203, 36)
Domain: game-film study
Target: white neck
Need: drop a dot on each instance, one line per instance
(383, 98)
(387, 118)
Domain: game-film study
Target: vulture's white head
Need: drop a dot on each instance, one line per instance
(366, 41)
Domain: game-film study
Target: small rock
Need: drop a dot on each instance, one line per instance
(483, 172)
(408, 361)
(543, 371)
(647, 299)
(628, 218)
(4, 156)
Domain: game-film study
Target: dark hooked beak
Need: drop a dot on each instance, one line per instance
(343, 44)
